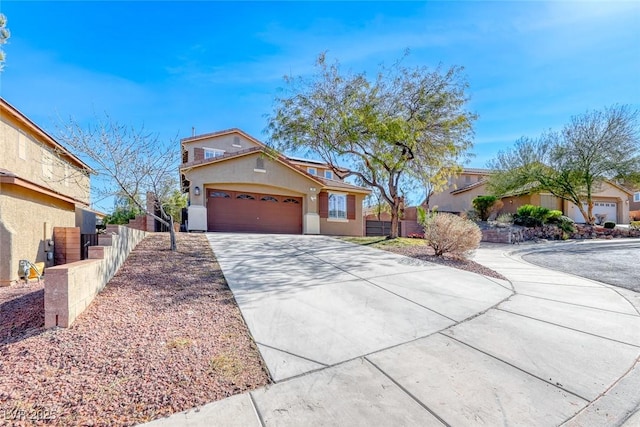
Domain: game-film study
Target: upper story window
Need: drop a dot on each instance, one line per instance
(337, 206)
(636, 197)
(312, 171)
(236, 142)
(328, 174)
(210, 153)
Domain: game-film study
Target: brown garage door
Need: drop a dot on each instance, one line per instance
(253, 212)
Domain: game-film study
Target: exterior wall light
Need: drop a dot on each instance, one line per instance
(196, 190)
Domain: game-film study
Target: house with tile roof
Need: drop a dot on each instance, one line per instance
(611, 201)
(236, 183)
(42, 186)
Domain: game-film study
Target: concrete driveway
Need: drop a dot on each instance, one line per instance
(616, 262)
(357, 336)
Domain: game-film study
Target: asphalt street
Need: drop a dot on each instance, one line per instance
(613, 262)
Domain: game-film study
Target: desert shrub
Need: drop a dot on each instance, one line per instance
(483, 206)
(448, 233)
(505, 218)
(471, 215)
(635, 224)
(610, 225)
(553, 216)
(565, 223)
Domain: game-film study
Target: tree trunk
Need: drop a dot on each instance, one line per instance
(394, 232)
(172, 235)
(587, 214)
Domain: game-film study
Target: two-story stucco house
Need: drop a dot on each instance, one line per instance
(41, 184)
(611, 201)
(238, 184)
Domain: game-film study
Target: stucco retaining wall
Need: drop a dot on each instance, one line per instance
(70, 288)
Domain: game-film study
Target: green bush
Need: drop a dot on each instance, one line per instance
(448, 233)
(610, 225)
(635, 224)
(483, 205)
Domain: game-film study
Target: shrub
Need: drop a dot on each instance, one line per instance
(448, 233)
(471, 215)
(483, 205)
(610, 225)
(505, 218)
(415, 236)
(635, 225)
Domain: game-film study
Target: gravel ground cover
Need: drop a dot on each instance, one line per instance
(418, 248)
(165, 335)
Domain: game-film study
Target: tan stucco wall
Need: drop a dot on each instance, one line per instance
(466, 178)
(606, 193)
(461, 202)
(351, 227)
(27, 219)
(239, 174)
(224, 142)
(24, 155)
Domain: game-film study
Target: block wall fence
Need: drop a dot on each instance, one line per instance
(70, 288)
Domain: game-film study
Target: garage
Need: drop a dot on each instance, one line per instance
(608, 211)
(248, 212)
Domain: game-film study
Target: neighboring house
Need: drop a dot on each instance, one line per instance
(41, 185)
(634, 206)
(611, 201)
(236, 183)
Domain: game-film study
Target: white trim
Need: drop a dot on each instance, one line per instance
(216, 152)
(336, 218)
(260, 170)
(315, 171)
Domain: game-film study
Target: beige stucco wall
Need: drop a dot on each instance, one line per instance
(223, 142)
(461, 202)
(27, 219)
(606, 193)
(240, 174)
(24, 154)
(350, 227)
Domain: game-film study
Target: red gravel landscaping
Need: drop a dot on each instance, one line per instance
(165, 335)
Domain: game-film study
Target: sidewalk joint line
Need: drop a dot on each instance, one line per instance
(567, 327)
(254, 405)
(516, 367)
(579, 305)
(408, 393)
(292, 354)
(384, 289)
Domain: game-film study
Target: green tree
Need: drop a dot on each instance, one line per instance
(124, 209)
(385, 130)
(573, 163)
(4, 36)
(483, 205)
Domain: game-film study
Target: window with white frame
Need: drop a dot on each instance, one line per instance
(210, 153)
(337, 206)
(312, 171)
(328, 174)
(636, 197)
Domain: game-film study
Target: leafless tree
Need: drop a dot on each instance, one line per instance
(128, 162)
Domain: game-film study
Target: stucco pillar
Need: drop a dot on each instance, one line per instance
(8, 258)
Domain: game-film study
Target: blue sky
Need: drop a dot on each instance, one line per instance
(215, 65)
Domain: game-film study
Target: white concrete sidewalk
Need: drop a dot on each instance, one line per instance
(357, 336)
